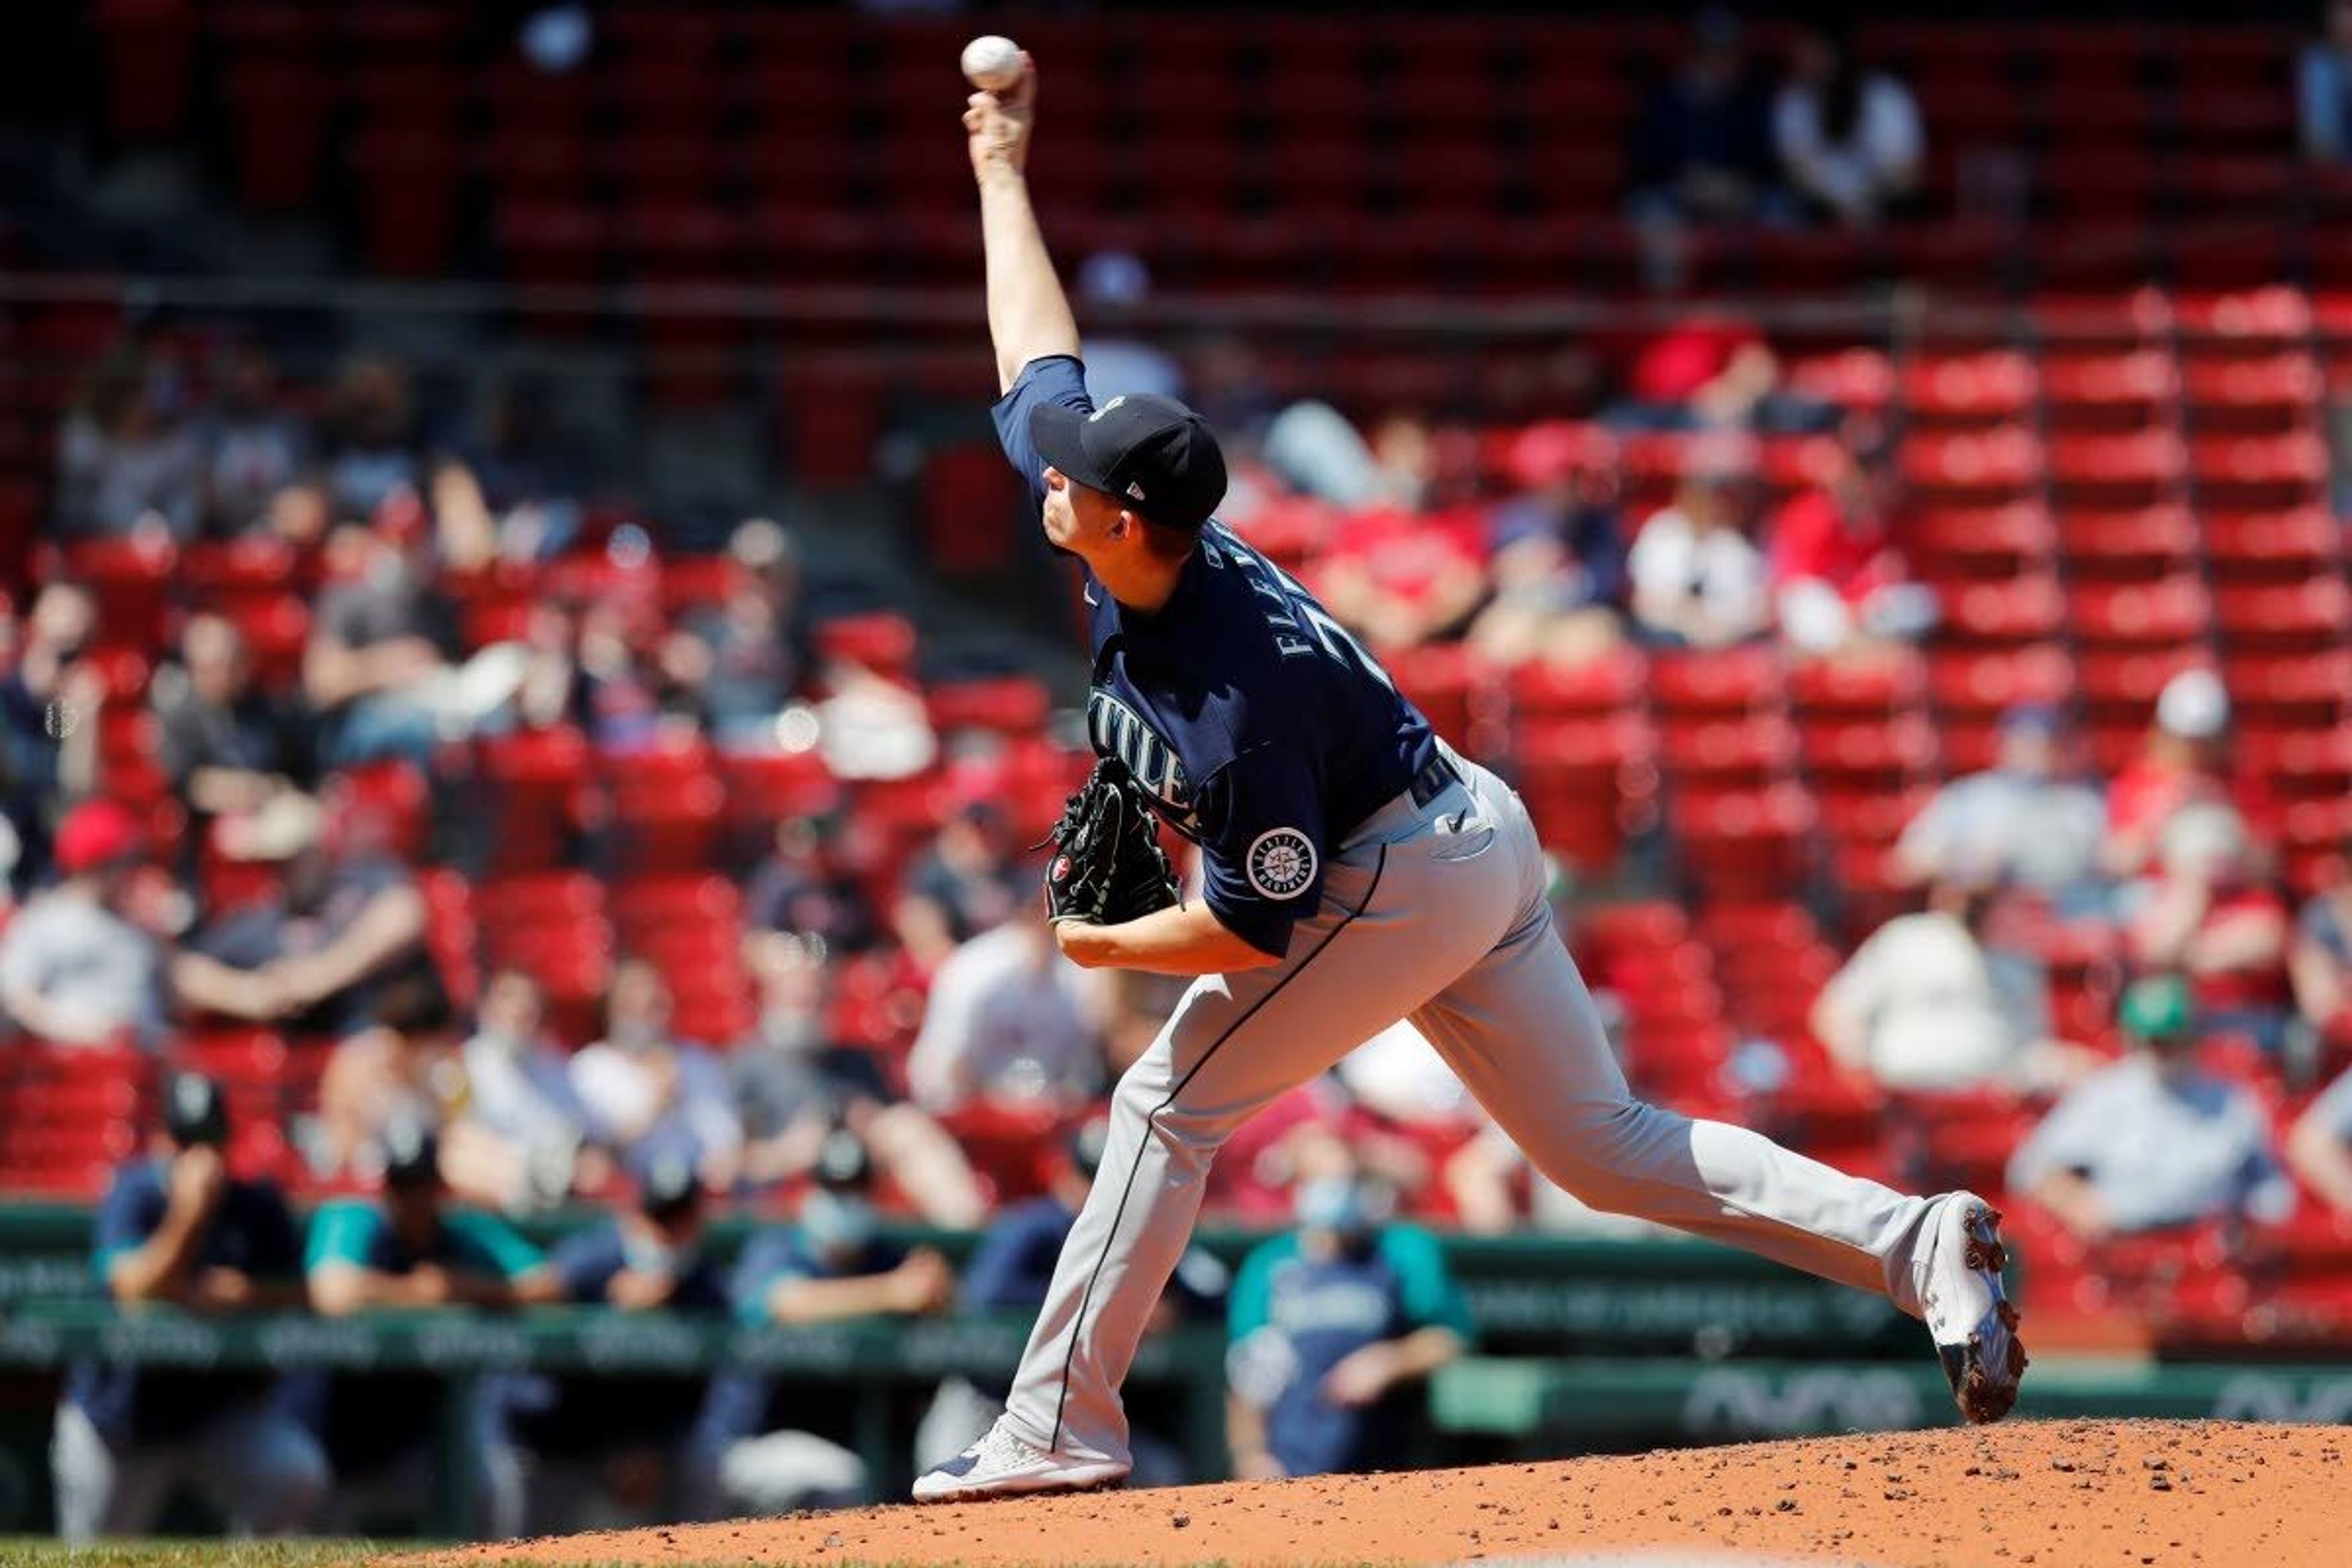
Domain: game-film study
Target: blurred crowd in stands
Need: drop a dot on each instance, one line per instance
(288, 896)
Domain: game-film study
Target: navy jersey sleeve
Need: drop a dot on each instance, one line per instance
(1056, 378)
(128, 1215)
(1261, 842)
(585, 1265)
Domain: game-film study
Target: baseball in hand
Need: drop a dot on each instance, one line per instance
(993, 64)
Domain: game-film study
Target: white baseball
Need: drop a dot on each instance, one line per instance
(993, 64)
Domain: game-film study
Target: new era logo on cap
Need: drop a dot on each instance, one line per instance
(1151, 450)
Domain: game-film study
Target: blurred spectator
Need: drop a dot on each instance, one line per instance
(1702, 144)
(372, 447)
(744, 659)
(2211, 918)
(2188, 760)
(775, 1448)
(1008, 1020)
(409, 1250)
(227, 745)
(967, 881)
(648, 1094)
(1399, 578)
(49, 703)
(518, 1133)
(2022, 822)
(1709, 370)
(1557, 551)
(127, 460)
(1333, 1330)
(2153, 1141)
(628, 701)
(795, 1084)
(2319, 1147)
(1848, 137)
(1698, 581)
(1008, 1273)
(2319, 963)
(374, 669)
(1396, 1080)
(253, 449)
(343, 924)
(2325, 89)
(1120, 364)
(803, 888)
(1836, 573)
(175, 1228)
(402, 1069)
(74, 970)
(1928, 1002)
(602, 1449)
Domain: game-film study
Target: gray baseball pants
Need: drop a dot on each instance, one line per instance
(1436, 912)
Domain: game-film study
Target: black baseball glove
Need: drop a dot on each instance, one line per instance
(1108, 866)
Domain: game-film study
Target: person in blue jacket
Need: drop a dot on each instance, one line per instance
(624, 1442)
(1333, 1329)
(406, 1249)
(175, 1229)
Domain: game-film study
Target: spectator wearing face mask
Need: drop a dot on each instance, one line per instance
(648, 1094)
(1333, 1329)
(776, 1446)
(1698, 580)
(2024, 822)
(795, 1084)
(1008, 1019)
(518, 1135)
(598, 1448)
(2153, 1141)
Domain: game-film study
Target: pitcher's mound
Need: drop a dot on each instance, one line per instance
(2055, 1493)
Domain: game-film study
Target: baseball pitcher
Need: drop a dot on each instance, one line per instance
(1357, 871)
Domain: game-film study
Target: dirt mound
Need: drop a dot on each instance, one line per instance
(2056, 1493)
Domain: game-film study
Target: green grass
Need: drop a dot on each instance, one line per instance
(41, 1552)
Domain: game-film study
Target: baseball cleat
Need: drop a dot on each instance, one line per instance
(1967, 1311)
(1002, 1464)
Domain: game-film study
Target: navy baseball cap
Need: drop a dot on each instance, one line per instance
(1150, 452)
(194, 1111)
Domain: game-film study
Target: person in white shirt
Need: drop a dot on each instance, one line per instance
(520, 1129)
(1698, 580)
(2153, 1141)
(646, 1093)
(1009, 1019)
(73, 970)
(1848, 138)
(1925, 1004)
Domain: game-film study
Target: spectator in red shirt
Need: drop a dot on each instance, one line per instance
(2211, 918)
(1401, 580)
(2186, 761)
(1713, 372)
(1836, 574)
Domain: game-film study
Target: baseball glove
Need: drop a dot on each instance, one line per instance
(1108, 866)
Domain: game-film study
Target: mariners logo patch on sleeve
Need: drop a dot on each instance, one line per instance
(1280, 862)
